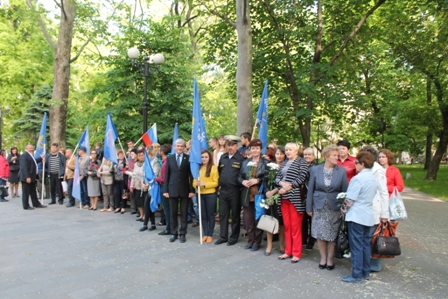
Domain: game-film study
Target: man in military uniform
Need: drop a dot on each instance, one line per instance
(229, 198)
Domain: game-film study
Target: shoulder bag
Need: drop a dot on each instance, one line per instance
(386, 245)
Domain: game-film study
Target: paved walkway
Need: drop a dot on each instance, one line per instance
(62, 252)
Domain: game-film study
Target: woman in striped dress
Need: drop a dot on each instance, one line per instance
(290, 177)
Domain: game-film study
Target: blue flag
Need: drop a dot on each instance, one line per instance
(150, 177)
(198, 135)
(84, 140)
(42, 140)
(76, 191)
(110, 151)
(175, 137)
(262, 118)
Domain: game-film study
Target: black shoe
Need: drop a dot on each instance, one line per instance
(52, 203)
(330, 267)
(61, 202)
(29, 208)
(254, 248)
(143, 228)
(41, 206)
(190, 221)
(153, 227)
(133, 213)
(182, 238)
(69, 205)
(230, 243)
(322, 266)
(173, 238)
(164, 233)
(220, 241)
(248, 246)
(139, 219)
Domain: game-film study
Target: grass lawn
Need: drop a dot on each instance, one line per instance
(438, 188)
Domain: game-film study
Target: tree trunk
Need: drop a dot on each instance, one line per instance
(244, 67)
(61, 83)
(431, 175)
(428, 150)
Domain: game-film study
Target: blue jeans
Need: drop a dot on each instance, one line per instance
(208, 208)
(193, 209)
(359, 240)
(375, 264)
(2, 183)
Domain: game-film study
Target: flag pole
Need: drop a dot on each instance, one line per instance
(255, 128)
(121, 146)
(43, 176)
(74, 153)
(200, 213)
(138, 140)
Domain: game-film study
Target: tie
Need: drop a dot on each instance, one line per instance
(178, 161)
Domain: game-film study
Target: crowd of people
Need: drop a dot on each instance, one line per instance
(307, 205)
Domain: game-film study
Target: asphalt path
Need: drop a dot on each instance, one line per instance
(62, 252)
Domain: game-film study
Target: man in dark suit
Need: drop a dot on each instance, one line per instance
(27, 175)
(178, 188)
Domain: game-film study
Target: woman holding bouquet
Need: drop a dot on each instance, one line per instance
(280, 157)
(208, 182)
(326, 181)
(252, 174)
(290, 176)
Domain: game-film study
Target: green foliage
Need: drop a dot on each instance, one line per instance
(28, 125)
(25, 66)
(119, 88)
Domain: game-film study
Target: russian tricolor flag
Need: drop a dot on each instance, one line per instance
(150, 136)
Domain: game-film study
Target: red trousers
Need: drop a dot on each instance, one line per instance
(293, 229)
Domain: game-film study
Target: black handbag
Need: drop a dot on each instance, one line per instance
(386, 245)
(341, 242)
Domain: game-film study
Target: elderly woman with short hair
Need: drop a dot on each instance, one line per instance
(358, 210)
(326, 181)
(307, 239)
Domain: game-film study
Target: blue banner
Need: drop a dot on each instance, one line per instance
(84, 140)
(262, 118)
(198, 135)
(110, 151)
(42, 140)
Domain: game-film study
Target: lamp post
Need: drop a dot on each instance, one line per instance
(151, 64)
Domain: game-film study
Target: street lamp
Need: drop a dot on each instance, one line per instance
(151, 64)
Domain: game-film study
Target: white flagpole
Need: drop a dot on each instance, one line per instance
(74, 153)
(200, 213)
(43, 175)
(138, 141)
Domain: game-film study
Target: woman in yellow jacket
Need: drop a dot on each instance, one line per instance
(208, 182)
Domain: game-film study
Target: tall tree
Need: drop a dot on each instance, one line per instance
(62, 49)
(243, 75)
(419, 42)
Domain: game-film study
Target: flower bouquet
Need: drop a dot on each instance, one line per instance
(250, 169)
(341, 198)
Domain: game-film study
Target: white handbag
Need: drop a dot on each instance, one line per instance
(64, 186)
(268, 223)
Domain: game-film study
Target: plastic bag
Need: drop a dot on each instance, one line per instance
(259, 210)
(396, 206)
